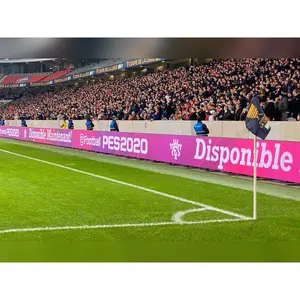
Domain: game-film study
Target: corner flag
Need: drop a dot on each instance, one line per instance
(256, 123)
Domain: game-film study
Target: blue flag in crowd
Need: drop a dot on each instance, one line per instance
(256, 121)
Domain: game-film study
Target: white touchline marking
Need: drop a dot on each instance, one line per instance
(117, 225)
(226, 212)
(177, 217)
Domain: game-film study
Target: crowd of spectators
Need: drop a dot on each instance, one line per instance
(10, 94)
(218, 90)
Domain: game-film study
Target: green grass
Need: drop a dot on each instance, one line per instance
(36, 195)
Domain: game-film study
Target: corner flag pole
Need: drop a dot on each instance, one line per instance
(257, 124)
(254, 178)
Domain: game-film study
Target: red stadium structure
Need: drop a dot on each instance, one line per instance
(56, 75)
(23, 78)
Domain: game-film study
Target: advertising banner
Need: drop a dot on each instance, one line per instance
(13, 85)
(276, 159)
(65, 79)
(141, 61)
(110, 69)
(49, 136)
(81, 75)
(42, 83)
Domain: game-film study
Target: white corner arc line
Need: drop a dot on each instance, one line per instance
(226, 212)
(177, 217)
(85, 227)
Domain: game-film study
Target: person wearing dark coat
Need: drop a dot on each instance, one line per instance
(114, 125)
(270, 109)
(278, 113)
(89, 124)
(244, 114)
(201, 114)
(227, 114)
(23, 122)
(70, 124)
(296, 103)
(238, 112)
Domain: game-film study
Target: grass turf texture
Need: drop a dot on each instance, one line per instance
(34, 194)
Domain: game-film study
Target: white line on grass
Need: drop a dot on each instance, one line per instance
(177, 217)
(232, 214)
(14, 230)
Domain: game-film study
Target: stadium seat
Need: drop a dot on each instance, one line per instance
(25, 78)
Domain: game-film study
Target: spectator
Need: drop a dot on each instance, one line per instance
(201, 113)
(220, 112)
(133, 117)
(238, 112)
(296, 102)
(60, 117)
(270, 109)
(284, 108)
(227, 114)
(278, 113)
(193, 114)
(2, 122)
(244, 114)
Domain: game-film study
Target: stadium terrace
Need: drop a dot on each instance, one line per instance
(165, 90)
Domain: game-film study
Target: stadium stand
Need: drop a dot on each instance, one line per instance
(23, 78)
(218, 90)
(95, 66)
(56, 75)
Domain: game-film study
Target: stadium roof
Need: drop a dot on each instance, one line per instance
(23, 60)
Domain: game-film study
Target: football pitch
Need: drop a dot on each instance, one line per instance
(62, 204)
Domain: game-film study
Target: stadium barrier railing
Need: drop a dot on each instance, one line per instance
(282, 131)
